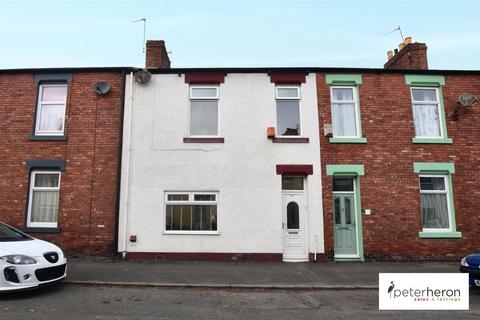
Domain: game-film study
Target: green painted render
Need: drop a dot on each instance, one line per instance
(345, 169)
(424, 80)
(347, 140)
(433, 140)
(433, 167)
(343, 79)
(440, 235)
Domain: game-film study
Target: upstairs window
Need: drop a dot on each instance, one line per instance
(288, 111)
(52, 100)
(204, 111)
(426, 113)
(344, 112)
(44, 199)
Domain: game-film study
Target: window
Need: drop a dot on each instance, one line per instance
(434, 202)
(426, 113)
(44, 199)
(344, 112)
(203, 111)
(292, 183)
(52, 99)
(191, 212)
(343, 184)
(288, 111)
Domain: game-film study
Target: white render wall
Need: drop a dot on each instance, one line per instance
(242, 170)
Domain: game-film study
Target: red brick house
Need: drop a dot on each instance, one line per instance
(400, 160)
(60, 153)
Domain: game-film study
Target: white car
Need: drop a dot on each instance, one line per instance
(26, 262)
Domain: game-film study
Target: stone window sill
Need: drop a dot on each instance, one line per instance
(33, 137)
(40, 230)
(440, 235)
(290, 140)
(204, 140)
(438, 141)
(347, 140)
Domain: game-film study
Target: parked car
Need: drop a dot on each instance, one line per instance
(26, 262)
(471, 265)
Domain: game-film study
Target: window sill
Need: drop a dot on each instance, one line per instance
(440, 235)
(40, 230)
(203, 233)
(204, 140)
(347, 140)
(33, 137)
(290, 140)
(434, 140)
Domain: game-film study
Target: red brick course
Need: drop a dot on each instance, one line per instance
(88, 195)
(390, 187)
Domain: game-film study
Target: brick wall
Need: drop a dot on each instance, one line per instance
(88, 195)
(390, 187)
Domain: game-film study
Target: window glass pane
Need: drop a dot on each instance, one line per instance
(204, 197)
(287, 92)
(434, 211)
(51, 117)
(432, 183)
(292, 183)
(424, 95)
(191, 217)
(44, 206)
(177, 197)
(293, 221)
(348, 213)
(49, 180)
(338, 218)
(342, 184)
(54, 93)
(344, 123)
(203, 118)
(199, 92)
(342, 94)
(288, 118)
(427, 122)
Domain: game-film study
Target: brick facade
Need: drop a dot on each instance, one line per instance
(390, 187)
(89, 182)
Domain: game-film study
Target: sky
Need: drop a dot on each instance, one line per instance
(241, 33)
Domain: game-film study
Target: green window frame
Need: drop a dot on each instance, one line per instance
(447, 169)
(432, 82)
(355, 171)
(348, 80)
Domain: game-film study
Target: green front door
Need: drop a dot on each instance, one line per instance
(344, 221)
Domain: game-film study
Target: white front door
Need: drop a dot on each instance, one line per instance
(294, 237)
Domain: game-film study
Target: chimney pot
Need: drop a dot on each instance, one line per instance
(401, 46)
(408, 40)
(156, 56)
(390, 54)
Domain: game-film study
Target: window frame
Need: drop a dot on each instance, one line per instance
(440, 114)
(298, 98)
(32, 188)
(40, 104)
(356, 108)
(446, 178)
(216, 98)
(191, 201)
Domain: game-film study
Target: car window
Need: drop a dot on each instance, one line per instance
(8, 233)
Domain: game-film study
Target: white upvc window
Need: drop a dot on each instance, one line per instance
(435, 203)
(191, 212)
(203, 120)
(44, 199)
(345, 118)
(426, 112)
(288, 110)
(52, 101)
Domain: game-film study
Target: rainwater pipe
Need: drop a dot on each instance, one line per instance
(315, 247)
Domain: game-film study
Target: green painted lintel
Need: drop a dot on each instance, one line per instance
(347, 140)
(424, 80)
(433, 140)
(432, 167)
(440, 235)
(345, 169)
(343, 79)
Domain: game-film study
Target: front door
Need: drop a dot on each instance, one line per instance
(294, 247)
(344, 221)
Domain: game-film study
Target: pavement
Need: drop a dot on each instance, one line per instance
(246, 275)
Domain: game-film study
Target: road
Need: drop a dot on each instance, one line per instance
(72, 302)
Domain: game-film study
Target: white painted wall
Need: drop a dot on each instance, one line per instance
(242, 169)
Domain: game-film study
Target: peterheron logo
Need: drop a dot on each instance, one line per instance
(423, 291)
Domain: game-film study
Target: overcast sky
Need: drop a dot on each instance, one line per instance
(241, 33)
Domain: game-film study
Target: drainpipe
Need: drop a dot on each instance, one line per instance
(315, 247)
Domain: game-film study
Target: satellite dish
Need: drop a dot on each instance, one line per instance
(142, 76)
(467, 99)
(101, 87)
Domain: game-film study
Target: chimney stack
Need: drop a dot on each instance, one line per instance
(156, 56)
(408, 56)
